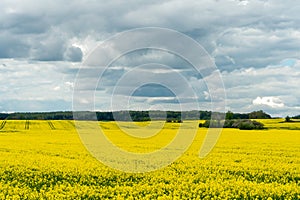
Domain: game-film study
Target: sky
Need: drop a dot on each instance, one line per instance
(45, 45)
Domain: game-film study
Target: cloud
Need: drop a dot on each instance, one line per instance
(34, 105)
(73, 54)
(47, 29)
(273, 102)
(32, 85)
(276, 81)
(56, 88)
(153, 90)
(12, 47)
(255, 47)
(255, 44)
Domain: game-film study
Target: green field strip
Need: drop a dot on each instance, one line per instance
(2, 124)
(62, 125)
(14, 125)
(56, 125)
(52, 127)
(39, 125)
(27, 124)
(71, 123)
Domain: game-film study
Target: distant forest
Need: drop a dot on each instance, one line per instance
(296, 117)
(131, 115)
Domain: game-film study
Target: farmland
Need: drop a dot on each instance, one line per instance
(46, 160)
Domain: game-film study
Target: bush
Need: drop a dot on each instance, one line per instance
(211, 124)
(245, 124)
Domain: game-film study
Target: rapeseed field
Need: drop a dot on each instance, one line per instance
(47, 160)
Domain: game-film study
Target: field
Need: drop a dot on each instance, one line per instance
(47, 160)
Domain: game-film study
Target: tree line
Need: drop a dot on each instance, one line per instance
(170, 116)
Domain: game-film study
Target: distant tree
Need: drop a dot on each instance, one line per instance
(3, 116)
(287, 119)
(240, 116)
(205, 115)
(259, 115)
(296, 117)
(229, 115)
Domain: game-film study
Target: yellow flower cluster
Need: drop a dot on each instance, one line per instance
(43, 161)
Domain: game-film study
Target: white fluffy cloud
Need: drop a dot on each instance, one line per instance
(273, 102)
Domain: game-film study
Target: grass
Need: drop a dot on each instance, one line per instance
(40, 162)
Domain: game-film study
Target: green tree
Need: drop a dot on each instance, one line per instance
(288, 119)
(229, 115)
(259, 115)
